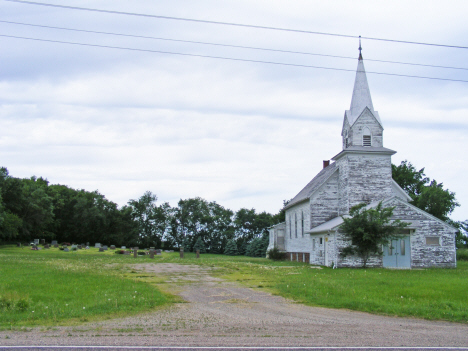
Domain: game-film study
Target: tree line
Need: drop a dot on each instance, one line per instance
(32, 208)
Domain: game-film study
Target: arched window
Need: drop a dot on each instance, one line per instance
(366, 137)
(346, 139)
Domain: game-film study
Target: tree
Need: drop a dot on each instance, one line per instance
(151, 219)
(427, 195)
(368, 230)
(199, 245)
(231, 248)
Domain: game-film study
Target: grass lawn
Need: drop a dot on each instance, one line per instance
(52, 287)
(435, 294)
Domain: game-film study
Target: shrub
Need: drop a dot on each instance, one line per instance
(275, 254)
(119, 252)
(462, 254)
(141, 253)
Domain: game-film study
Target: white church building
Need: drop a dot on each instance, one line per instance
(361, 172)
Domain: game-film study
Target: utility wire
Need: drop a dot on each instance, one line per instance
(232, 24)
(226, 58)
(226, 45)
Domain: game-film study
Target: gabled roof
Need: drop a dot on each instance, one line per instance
(337, 221)
(313, 185)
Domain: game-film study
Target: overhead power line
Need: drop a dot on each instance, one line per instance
(232, 24)
(227, 58)
(226, 45)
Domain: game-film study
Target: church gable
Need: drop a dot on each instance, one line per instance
(366, 130)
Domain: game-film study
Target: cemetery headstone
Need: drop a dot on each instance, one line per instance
(36, 241)
(105, 247)
(181, 252)
(56, 245)
(158, 252)
(66, 249)
(135, 253)
(98, 245)
(112, 247)
(54, 242)
(101, 249)
(123, 247)
(46, 246)
(136, 248)
(42, 241)
(151, 253)
(126, 253)
(198, 253)
(152, 248)
(74, 247)
(79, 247)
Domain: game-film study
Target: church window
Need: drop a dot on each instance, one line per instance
(433, 240)
(366, 137)
(346, 138)
(302, 223)
(321, 241)
(290, 231)
(313, 244)
(295, 223)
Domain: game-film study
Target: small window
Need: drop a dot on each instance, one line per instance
(402, 248)
(302, 223)
(366, 140)
(433, 240)
(290, 231)
(295, 224)
(321, 241)
(313, 244)
(390, 249)
(366, 137)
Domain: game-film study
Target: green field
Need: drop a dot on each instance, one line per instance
(52, 287)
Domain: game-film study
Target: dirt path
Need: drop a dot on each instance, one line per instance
(220, 313)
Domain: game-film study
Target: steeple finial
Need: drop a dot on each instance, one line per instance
(360, 49)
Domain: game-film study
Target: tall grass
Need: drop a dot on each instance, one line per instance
(462, 255)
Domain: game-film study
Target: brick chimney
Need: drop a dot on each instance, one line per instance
(326, 163)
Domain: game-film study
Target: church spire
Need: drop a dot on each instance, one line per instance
(361, 93)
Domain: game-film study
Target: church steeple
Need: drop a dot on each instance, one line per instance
(361, 93)
(361, 125)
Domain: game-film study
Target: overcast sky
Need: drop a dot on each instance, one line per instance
(243, 134)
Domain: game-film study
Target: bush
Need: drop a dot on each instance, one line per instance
(141, 253)
(462, 254)
(276, 255)
(119, 252)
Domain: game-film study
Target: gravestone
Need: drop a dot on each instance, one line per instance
(79, 247)
(46, 246)
(158, 252)
(54, 242)
(101, 249)
(36, 241)
(66, 249)
(181, 252)
(152, 248)
(198, 253)
(105, 247)
(123, 247)
(98, 245)
(151, 253)
(42, 241)
(136, 248)
(112, 247)
(135, 253)
(126, 253)
(56, 245)
(74, 247)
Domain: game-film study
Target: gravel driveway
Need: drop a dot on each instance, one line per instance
(220, 313)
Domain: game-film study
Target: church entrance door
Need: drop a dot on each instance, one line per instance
(397, 254)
